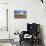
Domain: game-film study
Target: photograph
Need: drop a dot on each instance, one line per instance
(20, 14)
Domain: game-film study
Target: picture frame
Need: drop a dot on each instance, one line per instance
(20, 14)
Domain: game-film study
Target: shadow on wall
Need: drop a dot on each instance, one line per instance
(41, 34)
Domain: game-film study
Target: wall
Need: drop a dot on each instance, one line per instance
(35, 13)
(3, 1)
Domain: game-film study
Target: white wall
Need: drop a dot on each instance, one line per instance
(35, 13)
(3, 1)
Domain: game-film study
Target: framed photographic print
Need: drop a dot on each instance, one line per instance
(20, 14)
